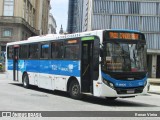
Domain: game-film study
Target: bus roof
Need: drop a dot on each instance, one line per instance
(49, 37)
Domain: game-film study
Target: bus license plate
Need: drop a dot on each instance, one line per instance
(130, 91)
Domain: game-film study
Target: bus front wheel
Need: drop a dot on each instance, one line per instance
(25, 81)
(74, 90)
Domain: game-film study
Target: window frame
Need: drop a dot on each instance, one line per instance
(8, 57)
(38, 51)
(78, 57)
(49, 50)
(27, 57)
(11, 4)
(7, 30)
(73, 44)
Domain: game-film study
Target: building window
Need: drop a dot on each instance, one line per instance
(8, 8)
(3, 48)
(24, 9)
(134, 7)
(7, 33)
(134, 22)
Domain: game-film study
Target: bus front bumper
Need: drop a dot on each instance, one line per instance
(107, 91)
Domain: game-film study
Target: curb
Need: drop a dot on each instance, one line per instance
(154, 81)
(154, 88)
(153, 92)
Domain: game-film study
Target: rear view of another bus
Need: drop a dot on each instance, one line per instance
(124, 66)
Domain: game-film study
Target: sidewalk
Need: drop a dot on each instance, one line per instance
(2, 73)
(2, 76)
(154, 80)
(154, 85)
(154, 89)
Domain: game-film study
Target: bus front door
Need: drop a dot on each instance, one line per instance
(15, 62)
(86, 66)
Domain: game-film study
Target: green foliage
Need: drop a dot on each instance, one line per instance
(1, 67)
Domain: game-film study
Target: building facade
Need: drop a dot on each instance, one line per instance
(142, 15)
(20, 19)
(75, 15)
(51, 25)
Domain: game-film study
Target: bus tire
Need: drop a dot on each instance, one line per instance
(25, 81)
(74, 90)
(111, 98)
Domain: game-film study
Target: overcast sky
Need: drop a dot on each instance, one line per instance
(60, 13)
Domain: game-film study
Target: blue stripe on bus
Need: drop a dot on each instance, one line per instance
(125, 83)
(57, 67)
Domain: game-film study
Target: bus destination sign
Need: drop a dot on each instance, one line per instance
(123, 35)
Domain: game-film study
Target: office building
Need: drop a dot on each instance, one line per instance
(142, 15)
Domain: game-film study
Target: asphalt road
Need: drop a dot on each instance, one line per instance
(13, 97)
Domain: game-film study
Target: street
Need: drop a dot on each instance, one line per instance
(16, 98)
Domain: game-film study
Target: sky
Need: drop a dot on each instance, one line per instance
(59, 11)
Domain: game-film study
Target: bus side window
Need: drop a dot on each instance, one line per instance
(33, 51)
(45, 51)
(10, 52)
(57, 50)
(72, 52)
(23, 52)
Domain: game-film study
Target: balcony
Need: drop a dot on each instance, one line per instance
(18, 20)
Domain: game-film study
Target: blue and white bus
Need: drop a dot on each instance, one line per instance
(103, 63)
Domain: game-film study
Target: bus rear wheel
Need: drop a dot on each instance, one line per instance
(74, 90)
(25, 81)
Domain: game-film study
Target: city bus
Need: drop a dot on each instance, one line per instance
(104, 63)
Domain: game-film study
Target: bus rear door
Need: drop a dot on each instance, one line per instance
(15, 62)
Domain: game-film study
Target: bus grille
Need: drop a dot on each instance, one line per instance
(129, 90)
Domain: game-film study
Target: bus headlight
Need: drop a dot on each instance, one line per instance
(111, 85)
(108, 83)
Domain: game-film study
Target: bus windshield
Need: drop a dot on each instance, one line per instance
(124, 57)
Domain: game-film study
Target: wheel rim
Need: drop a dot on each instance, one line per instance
(25, 83)
(75, 90)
